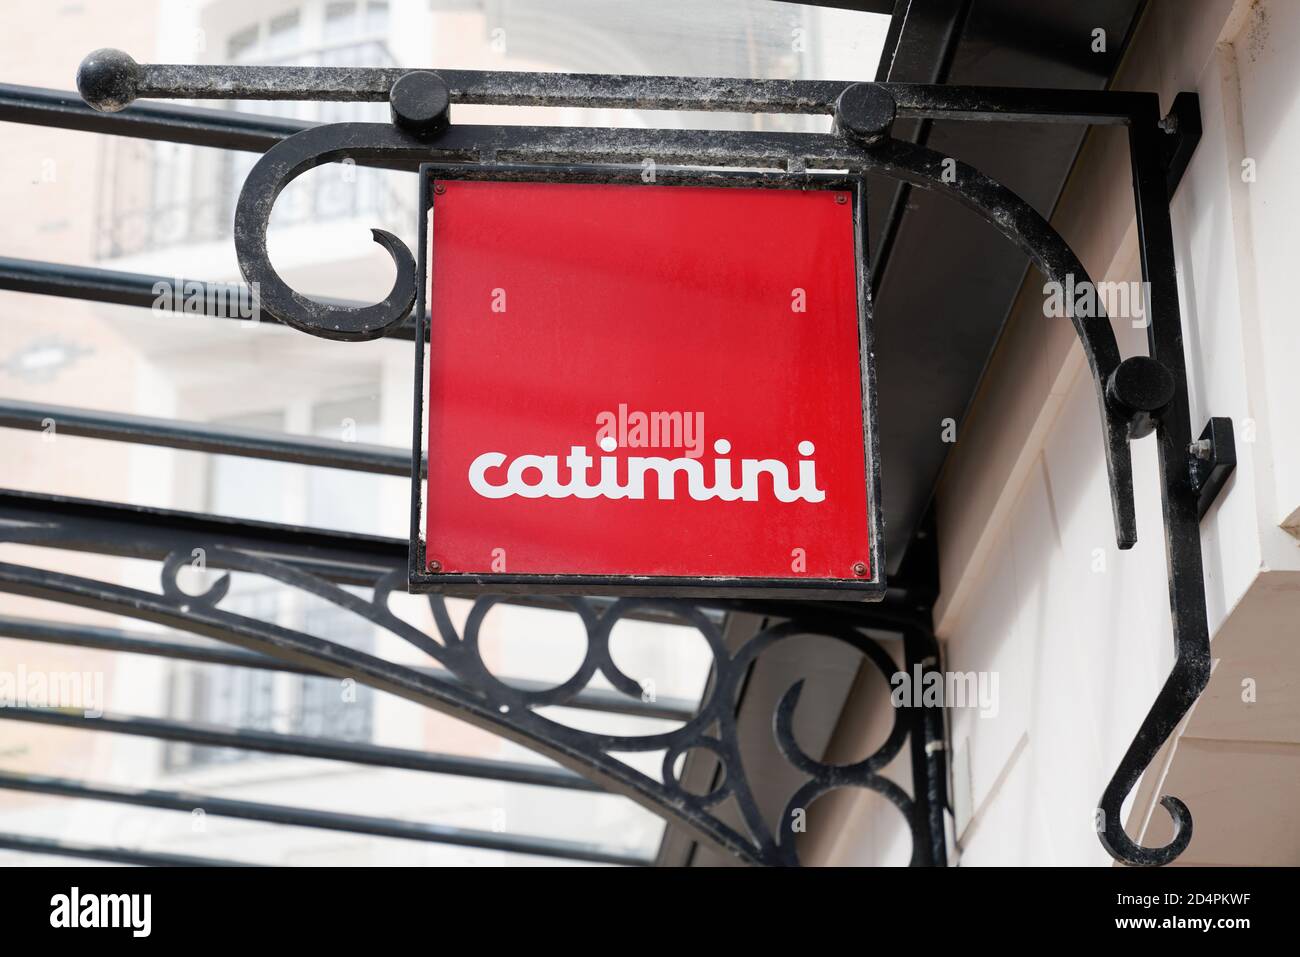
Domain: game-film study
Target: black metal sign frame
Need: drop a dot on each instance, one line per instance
(869, 587)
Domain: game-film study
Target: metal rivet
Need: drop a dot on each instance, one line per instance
(439, 188)
(435, 566)
(859, 568)
(841, 198)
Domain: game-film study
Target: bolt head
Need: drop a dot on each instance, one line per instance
(108, 80)
(860, 569)
(865, 112)
(435, 566)
(420, 102)
(1140, 384)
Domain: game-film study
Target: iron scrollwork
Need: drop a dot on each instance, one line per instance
(1136, 395)
(471, 691)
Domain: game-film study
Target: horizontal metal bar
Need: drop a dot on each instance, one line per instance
(165, 296)
(230, 130)
(201, 437)
(115, 639)
(474, 144)
(193, 126)
(224, 129)
(323, 820)
(118, 73)
(180, 81)
(270, 742)
(121, 288)
(133, 531)
(1007, 104)
(115, 855)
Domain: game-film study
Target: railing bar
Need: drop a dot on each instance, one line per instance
(114, 639)
(196, 126)
(201, 437)
(92, 284)
(116, 855)
(272, 742)
(134, 531)
(324, 820)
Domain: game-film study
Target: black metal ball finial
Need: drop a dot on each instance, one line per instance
(420, 102)
(108, 80)
(866, 112)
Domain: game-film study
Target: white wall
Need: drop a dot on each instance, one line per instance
(1034, 589)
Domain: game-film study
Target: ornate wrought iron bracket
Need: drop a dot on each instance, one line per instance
(1137, 395)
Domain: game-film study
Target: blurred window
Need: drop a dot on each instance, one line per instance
(269, 700)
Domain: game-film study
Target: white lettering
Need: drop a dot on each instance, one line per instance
(132, 911)
(540, 476)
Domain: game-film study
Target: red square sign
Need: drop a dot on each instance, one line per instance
(631, 382)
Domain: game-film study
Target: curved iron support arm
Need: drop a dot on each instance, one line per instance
(1179, 497)
(1136, 396)
(1032, 234)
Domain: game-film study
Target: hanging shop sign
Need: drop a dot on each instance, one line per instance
(646, 388)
